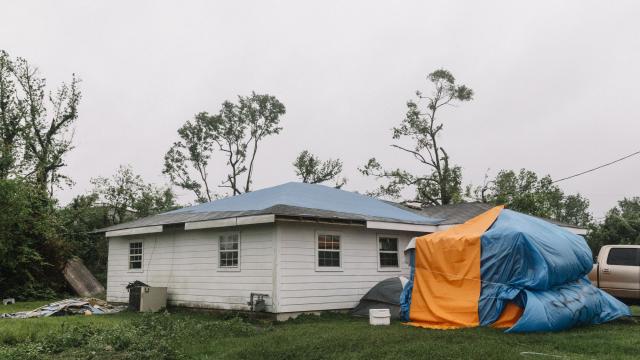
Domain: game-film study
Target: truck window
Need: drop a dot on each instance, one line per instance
(624, 257)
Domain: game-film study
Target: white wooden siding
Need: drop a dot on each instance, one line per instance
(300, 287)
(275, 259)
(186, 262)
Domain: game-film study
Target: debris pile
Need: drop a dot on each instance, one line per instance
(79, 306)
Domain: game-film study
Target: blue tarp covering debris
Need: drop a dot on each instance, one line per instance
(540, 267)
(405, 297)
(565, 306)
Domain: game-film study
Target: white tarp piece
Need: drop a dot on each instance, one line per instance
(89, 306)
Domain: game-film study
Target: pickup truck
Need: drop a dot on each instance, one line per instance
(617, 271)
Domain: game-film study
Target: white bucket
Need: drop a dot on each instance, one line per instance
(379, 316)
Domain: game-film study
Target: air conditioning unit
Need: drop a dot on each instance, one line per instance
(147, 298)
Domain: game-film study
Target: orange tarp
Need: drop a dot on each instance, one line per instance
(509, 316)
(447, 279)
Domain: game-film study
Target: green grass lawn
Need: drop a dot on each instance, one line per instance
(188, 335)
(23, 306)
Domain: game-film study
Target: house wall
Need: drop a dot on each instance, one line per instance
(275, 259)
(187, 263)
(301, 286)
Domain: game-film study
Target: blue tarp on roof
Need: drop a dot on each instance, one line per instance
(311, 196)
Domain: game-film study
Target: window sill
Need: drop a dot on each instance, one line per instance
(329, 269)
(228, 269)
(389, 269)
(135, 271)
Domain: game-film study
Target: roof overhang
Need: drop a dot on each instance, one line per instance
(383, 225)
(135, 231)
(270, 218)
(234, 221)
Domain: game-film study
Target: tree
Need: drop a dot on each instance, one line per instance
(441, 182)
(127, 197)
(79, 219)
(526, 192)
(239, 129)
(236, 131)
(48, 122)
(11, 123)
(32, 250)
(621, 225)
(35, 134)
(312, 170)
(576, 210)
(193, 151)
(122, 197)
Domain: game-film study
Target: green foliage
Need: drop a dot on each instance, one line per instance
(79, 218)
(35, 135)
(145, 336)
(620, 226)
(23, 306)
(235, 132)
(193, 151)
(441, 182)
(125, 340)
(11, 123)
(239, 128)
(312, 170)
(330, 336)
(524, 191)
(123, 197)
(36, 127)
(32, 251)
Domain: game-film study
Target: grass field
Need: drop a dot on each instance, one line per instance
(184, 335)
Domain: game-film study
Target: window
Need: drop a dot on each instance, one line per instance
(135, 255)
(387, 252)
(328, 251)
(624, 257)
(229, 249)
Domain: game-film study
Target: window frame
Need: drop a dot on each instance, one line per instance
(219, 251)
(317, 235)
(129, 255)
(378, 251)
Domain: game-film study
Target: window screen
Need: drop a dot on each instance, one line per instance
(328, 250)
(388, 252)
(624, 257)
(229, 249)
(135, 255)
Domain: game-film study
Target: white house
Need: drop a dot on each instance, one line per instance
(306, 247)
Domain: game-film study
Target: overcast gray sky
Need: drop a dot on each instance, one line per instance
(555, 82)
